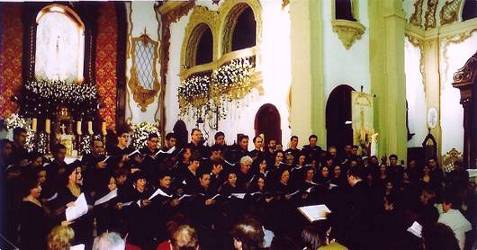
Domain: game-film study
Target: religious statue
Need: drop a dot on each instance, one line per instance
(64, 129)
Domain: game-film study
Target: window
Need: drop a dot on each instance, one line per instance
(244, 35)
(204, 47)
(60, 42)
(470, 10)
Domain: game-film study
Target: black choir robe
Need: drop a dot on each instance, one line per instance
(34, 226)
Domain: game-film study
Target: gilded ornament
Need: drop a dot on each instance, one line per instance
(431, 14)
(450, 12)
(416, 18)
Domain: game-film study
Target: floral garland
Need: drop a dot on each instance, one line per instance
(41, 98)
(15, 121)
(140, 133)
(233, 78)
(194, 92)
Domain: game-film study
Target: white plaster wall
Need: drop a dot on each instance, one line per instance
(453, 58)
(415, 95)
(142, 16)
(276, 71)
(341, 65)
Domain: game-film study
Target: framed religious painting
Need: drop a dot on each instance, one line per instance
(143, 82)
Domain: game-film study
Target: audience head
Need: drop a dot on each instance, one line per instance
(60, 238)
(354, 150)
(393, 160)
(332, 151)
(109, 241)
(196, 136)
(185, 238)
(248, 234)
(439, 236)
(219, 138)
(449, 201)
(35, 159)
(427, 196)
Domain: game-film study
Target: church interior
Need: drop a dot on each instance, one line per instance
(145, 124)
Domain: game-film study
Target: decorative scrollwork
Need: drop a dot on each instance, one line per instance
(416, 18)
(431, 14)
(450, 12)
(466, 73)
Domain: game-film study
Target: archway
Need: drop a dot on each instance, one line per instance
(267, 122)
(181, 133)
(338, 117)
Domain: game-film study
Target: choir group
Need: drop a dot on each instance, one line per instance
(151, 195)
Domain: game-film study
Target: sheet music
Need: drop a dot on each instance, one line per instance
(184, 196)
(472, 172)
(215, 196)
(159, 191)
(296, 192)
(170, 151)
(52, 197)
(332, 186)
(77, 247)
(79, 208)
(314, 213)
(127, 203)
(134, 152)
(107, 157)
(107, 197)
(238, 195)
(415, 229)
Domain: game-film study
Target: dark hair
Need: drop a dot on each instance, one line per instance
(256, 137)
(393, 156)
(195, 157)
(217, 162)
(449, 198)
(57, 148)
(122, 130)
(170, 135)
(18, 130)
(357, 171)
(193, 130)
(313, 136)
(241, 137)
(293, 137)
(220, 133)
(215, 148)
(152, 135)
(310, 237)
(120, 172)
(439, 236)
(34, 155)
(30, 181)
(250, 233)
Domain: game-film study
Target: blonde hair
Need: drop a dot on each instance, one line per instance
(185, 237)
(59, 238)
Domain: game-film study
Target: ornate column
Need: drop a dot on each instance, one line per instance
(464, 80)
(386, 55)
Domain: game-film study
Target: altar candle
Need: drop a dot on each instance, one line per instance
(78, 128)
(47, 126)
(103, 128)
(90, 127)
(33, 124)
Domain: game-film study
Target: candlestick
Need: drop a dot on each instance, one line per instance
(103, 128)
(78, 128)
(33, 124)
(48, 126)
(90, 127)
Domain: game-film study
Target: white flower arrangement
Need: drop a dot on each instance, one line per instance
(15, 121)
(234, 74)
(141, 131)
(62, 91)
(194, 87)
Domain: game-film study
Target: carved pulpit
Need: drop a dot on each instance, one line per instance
(465, 80)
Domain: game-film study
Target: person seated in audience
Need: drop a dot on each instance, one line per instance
(109, 241)
(438, 237)
(318, 235)
(454, 219)
(248, 235)
(60, 238)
